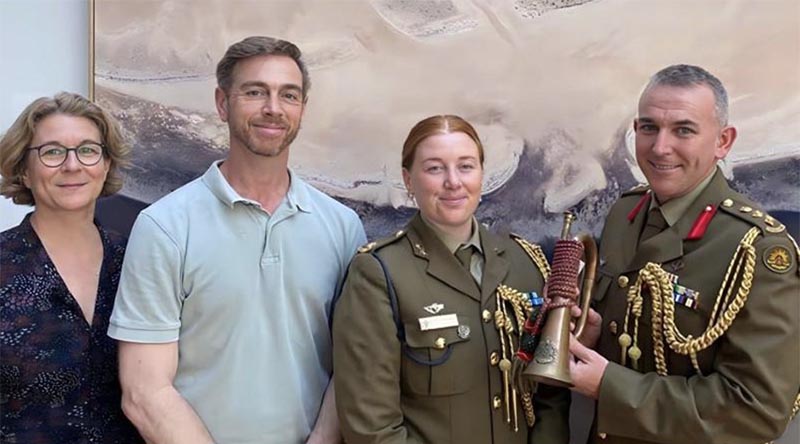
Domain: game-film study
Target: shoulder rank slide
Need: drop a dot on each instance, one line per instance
(368, 247)
(746, 212)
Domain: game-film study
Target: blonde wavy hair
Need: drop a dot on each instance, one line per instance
(16, 141)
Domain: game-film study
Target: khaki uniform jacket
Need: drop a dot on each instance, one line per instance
(384, 397)
(750, 375)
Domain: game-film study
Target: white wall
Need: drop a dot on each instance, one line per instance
(44, 49)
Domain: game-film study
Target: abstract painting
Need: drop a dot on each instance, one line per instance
(551, 86)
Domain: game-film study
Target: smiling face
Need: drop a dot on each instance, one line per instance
(71, 186)
(445, 178)
(264, 105)
(679, 138)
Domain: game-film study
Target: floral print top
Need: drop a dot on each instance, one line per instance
(58, 374)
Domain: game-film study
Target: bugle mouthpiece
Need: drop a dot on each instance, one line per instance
(569, 218)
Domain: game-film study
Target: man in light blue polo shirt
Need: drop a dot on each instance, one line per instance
(227, 283)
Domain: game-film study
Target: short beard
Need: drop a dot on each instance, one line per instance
(250, 144)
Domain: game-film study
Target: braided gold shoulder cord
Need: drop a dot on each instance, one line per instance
(663, 317)
(537, 256)
(521, 308)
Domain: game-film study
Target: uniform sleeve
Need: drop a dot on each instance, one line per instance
(366, 359)
(746, 399)
(150, 297)
(551, 406)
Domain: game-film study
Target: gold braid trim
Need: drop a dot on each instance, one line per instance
(527, 405)
(523, 308)
(796, 407)
(726, 306)
(536, 254)
(794, 242)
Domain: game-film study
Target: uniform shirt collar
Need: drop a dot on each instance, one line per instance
(297, 196)
(454, 244)
(676, 208)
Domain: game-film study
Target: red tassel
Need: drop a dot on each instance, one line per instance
(524, 356)
(529, 325)
(645, 199)
(701, 223)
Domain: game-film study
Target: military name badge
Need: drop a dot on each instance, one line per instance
(437, 322)
(778, 259)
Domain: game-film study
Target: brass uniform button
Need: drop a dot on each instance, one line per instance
(602, 435)
(497, 402)
(727, 203)
(745, 209)
(486, 316)
(757, 214)
(612, 327)
(367, 248)
(622, 281)
(439, 343)
(494, 358)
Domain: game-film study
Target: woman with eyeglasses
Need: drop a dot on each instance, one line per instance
(58, 277)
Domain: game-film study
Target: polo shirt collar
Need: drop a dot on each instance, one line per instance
(297, 196)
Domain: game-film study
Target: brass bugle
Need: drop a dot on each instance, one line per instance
(550, 364)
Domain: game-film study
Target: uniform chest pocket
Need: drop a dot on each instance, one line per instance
(601, 284)
(436, 362)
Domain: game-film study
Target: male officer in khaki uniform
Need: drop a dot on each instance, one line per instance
(698, 289)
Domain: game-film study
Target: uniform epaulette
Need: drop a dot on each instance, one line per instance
(380, 243)
(745, 211)
(638, 189)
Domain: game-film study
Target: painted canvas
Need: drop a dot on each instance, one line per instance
(551, 86)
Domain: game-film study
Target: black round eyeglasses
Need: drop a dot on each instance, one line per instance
(54, 155)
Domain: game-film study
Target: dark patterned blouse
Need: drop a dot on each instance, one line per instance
(58, 374)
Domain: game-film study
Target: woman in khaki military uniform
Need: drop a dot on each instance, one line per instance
(426, 325)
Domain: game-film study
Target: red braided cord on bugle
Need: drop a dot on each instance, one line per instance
(564, 275)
